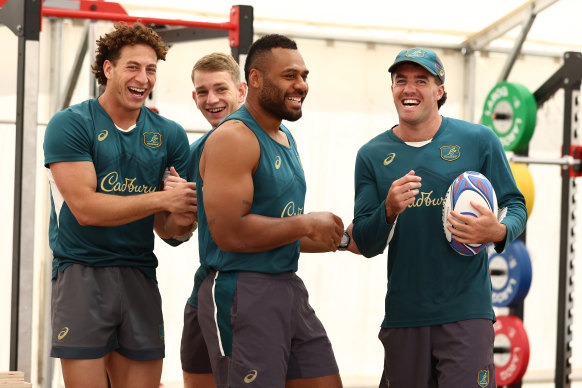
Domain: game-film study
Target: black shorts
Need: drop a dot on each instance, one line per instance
(193, 350)
(260, 329)
(98, 310)
(458, 354)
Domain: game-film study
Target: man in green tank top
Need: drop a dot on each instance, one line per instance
(253, 309)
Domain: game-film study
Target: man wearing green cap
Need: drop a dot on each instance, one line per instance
(437, 329)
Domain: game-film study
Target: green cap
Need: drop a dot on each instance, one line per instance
(423, 57)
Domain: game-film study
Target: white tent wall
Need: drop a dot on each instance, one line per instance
(349, 102)
(7, 115)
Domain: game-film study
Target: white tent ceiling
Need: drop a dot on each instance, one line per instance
(445, 23)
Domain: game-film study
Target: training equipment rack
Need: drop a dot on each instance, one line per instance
(568, 77)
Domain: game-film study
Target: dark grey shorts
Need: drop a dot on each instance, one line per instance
(98, 310)
(193, 350)
(458, 354)
(260, 329)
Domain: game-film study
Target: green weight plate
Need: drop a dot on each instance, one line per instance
(511, 111)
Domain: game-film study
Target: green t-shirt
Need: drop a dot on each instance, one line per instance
(126, 163)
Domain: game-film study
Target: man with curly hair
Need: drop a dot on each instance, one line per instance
(106, 159)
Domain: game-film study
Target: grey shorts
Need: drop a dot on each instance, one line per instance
(193, 350)
(98, 310)
(260, 329)
(458, 354)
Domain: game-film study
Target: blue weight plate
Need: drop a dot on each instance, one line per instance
(511, 274)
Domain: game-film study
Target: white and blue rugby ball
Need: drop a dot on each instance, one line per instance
(467, 187)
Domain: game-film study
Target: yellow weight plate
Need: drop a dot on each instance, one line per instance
(525, 184)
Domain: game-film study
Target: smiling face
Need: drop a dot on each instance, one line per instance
(131, 78)
(416, 93)
(284, 84)
(216, 94)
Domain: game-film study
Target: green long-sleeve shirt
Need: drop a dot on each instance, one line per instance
(428, 282)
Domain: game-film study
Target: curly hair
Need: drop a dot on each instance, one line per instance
(109, 45)
(262, 47)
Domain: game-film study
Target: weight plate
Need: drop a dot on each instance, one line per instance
(525, 184)
(510, 274)
(511, 350)
(511, 112)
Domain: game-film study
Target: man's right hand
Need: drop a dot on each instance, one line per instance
(180, 204)
(402, 193)
(173, 179)
(326, 228)
(185, 197)
(181, 198)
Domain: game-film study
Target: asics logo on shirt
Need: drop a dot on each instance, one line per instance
(389, 159)
(277, 162)
(64, 331)
(102, 135)
(251, 376)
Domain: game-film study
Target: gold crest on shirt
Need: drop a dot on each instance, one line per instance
(152, 139)
(450, 153)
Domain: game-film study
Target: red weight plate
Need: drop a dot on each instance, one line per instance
(511, 350)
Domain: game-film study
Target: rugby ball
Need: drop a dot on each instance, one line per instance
(467, 187)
